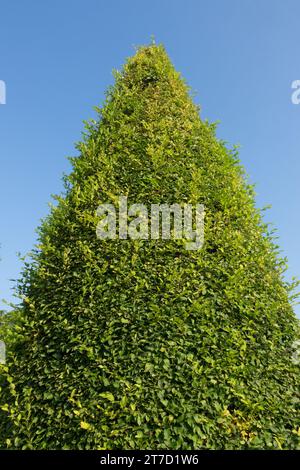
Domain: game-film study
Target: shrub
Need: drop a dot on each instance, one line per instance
(139, 344)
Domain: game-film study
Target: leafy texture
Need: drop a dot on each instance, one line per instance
(144, 344)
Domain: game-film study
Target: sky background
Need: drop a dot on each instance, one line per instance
(56, 57)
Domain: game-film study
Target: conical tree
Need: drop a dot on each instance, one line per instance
(134, 344)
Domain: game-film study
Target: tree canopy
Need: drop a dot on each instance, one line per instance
(139, 344)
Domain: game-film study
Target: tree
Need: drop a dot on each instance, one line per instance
(142, 343)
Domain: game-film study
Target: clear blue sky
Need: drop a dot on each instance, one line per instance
(56, 58)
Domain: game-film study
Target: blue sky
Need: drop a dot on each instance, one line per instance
(56, 58)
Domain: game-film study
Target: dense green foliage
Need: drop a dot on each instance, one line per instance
(141, 343)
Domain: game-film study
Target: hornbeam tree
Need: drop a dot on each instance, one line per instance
(141, 343)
